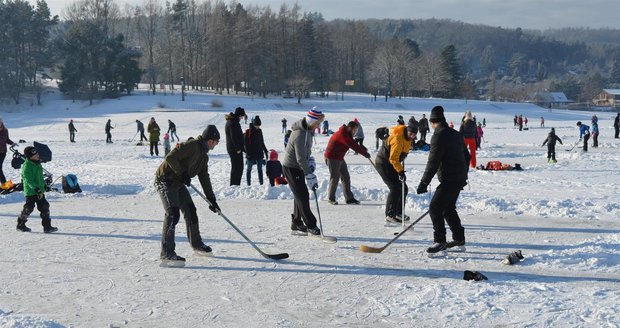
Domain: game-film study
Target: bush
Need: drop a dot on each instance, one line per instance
(217, 103)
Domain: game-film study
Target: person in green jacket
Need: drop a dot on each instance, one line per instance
(172, 178)
(34, 190)
(153, 130)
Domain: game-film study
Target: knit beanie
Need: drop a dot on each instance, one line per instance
(211, 133)
(314, 115)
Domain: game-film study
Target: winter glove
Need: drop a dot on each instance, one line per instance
(422, 188)
(401, 176)
(312, 181)
(213, 206)
(311, 164)
(186, 179)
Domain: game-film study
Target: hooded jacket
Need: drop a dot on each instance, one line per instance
(4, 139)
(339, 144)
(395, 148)
(255, 148)
(468, 129)
(154, 131)
(234, 134)
(299, 147)
(32, 177)
(189, 159)
(551, 139)
(448, 157)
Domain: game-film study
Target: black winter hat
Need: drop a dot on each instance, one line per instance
(413, 128)
(211, 133)
(30, 151)
(579, 123)
(437, 115)
(239, 111)
(257, 121)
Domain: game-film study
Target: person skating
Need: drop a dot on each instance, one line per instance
(4, 140)
(140, 127)
(389, 166)
(172, 130)
(584, 133)
(617, 126)
(338, 145)
(359, 133)
(299, 174)
(469, 132)
(552, 138)
(255, 150)
(172, 178)
(447, 158)
(72, 131)
(34, 191)
(595, 133)
(423, 127)
(154, 131)
(234, 144)
(108, 131)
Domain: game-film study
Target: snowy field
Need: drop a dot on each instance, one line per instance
(102, 269)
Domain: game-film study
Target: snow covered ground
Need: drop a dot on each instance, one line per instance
(101, 268)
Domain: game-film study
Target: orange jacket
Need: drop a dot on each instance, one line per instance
(398, 145)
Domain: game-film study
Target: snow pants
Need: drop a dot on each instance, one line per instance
(236, 168)
(585, 141)
(338, 171)
(301, 207)
(471, 144)
(393, 204)
(42, 205)
(594, 139)
(176, 198)
(154, 148)
(551, 152)
(443, 207)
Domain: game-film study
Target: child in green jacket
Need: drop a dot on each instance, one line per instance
(34, 190)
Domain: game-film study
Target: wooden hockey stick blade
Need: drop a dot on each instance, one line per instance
(368, 249)
(280, 256)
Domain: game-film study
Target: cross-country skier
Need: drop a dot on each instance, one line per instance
(184, 162)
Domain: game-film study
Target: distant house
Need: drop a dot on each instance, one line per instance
(607, 98)
(551, 99)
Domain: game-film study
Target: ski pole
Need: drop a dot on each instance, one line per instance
(368, 249)
(327, 239)
(269, 256)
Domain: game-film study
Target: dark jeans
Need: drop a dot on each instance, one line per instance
(2, 177)
(42, 205)
(423, 135)
(393, 204)
(586, 137)
(259, 168)
(301, 208)
(174, 134)
(175, 199)
(595, 139)
(551, 152)
(236, 168)
(72, 136)
(153, 146)
(143, 137)
(616, 131)
(108, 138)
(443, 207)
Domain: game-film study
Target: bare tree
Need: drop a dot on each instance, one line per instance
(148, 23)
(434, 78)
(300, 86)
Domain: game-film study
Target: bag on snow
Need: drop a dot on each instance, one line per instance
(70, 184)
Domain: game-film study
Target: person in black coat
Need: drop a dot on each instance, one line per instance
(72, 131)
(423, 127)
(255, 150)
(140, 127)
(108, 133)
(550, 141)
(449, 159)
(617, 125)
(234, 144)
(172, 130)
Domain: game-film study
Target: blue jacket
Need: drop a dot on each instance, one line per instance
(583, 130)
(594, 127)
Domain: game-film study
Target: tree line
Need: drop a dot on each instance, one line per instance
(101, 49)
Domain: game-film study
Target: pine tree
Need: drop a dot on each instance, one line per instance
(450, 61)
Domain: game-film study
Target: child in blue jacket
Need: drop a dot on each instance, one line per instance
(584, 133)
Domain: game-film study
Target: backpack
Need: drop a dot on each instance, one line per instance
(70, 184)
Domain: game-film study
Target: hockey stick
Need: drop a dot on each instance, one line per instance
(327, 239)
(279, 256)
(368, 249)
(573, 147)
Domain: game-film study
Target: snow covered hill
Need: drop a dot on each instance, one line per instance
(101, 268)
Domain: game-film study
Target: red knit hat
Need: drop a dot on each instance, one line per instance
(273, 155)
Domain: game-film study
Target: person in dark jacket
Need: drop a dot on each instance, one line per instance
(400, 120)
(255, 149)
(274, 169)
(172, 130)
(284, 125)
(550, 142)
(413, 122)
(72, 131)
(423, 127)
(4, 140)
(584, 133)
(389, 164)
(617, 126)
(447, 158)
(140, 127)
(469, 131)
(338, 145)
(108, 133)
(34, 191)
(298, 169)
(172, 178)
(154, 132)
(234, 144)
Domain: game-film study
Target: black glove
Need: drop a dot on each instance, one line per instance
(422, 188)
(213, 206)
(186, 179)
(401, 176)
(366, 154)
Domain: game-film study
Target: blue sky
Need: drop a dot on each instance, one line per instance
(531, 14)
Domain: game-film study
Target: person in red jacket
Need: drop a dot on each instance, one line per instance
(338, 145)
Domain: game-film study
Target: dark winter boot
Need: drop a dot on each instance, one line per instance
(298, 228)
(353, 201)
(436, 248)
(456, 246)
(21, 226)
(172, 261)
(316, 232)
(203, 250)
(49, 229)
(47, 225)
(473, 275)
